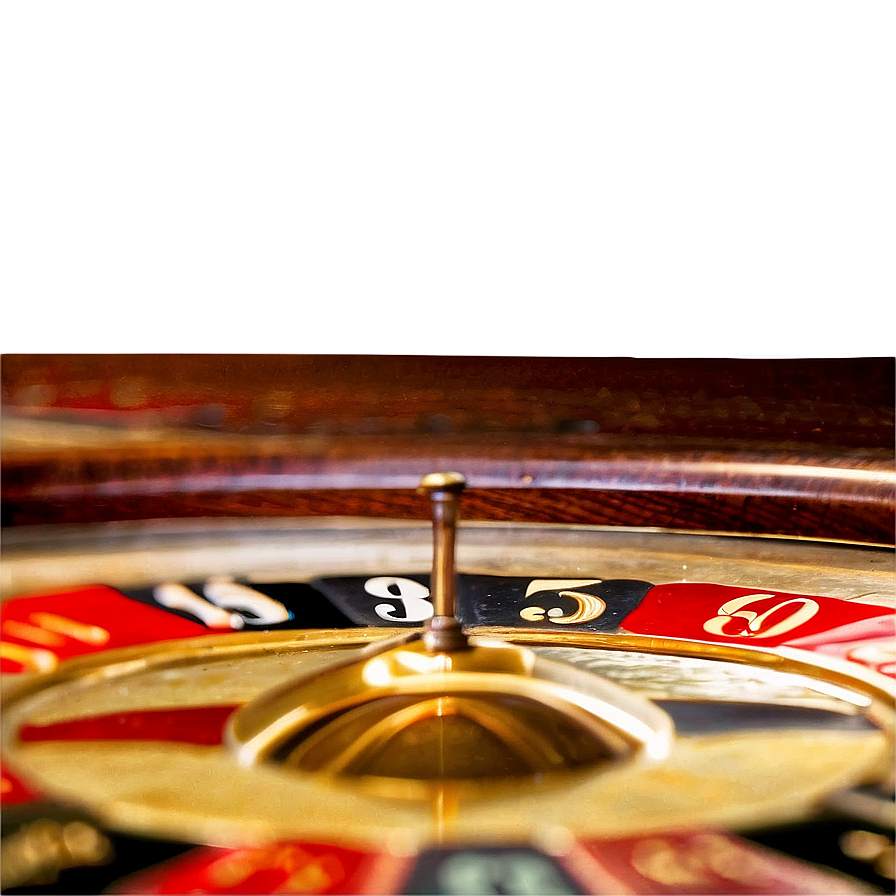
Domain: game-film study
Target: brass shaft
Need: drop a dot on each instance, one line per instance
(443, 632)
(444, 532)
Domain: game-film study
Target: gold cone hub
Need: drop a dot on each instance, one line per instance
(491, 713)
(449, 738)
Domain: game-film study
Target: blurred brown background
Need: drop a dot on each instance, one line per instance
(448, 177)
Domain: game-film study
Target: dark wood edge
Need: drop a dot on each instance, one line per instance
(745, 514)
(666, 483)
(794, 447)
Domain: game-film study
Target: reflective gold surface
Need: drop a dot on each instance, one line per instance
(443, 753)
(490, 713)
(735, 779)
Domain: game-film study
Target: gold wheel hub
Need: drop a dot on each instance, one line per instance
(492, 711)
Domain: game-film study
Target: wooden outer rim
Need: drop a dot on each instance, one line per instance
(604, 480)
(868, 477)
(800, 447)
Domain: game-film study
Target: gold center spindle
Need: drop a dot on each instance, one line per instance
(443, 632)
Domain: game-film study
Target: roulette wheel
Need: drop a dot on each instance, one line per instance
(416, 625)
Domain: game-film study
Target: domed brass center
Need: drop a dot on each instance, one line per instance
(451, 737)
(493, 712)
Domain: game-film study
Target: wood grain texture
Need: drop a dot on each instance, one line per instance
(773, 447)
(841, 401)
(807, 518)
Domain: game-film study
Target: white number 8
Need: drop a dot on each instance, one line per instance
(412, 596)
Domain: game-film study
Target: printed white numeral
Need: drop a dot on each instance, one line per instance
(224, 592)
(34, 659)
(694, 863)
(735, 609)
(484, 873)
(222, 595)
(49, 630)
(411, 595)
(879, 654)
(179, 597)
(588, 607)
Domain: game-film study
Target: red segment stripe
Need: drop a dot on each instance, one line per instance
(704, 862)
(275, 868)
(734, 615)
(54, 627)
(201, 725)
(870, 642)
